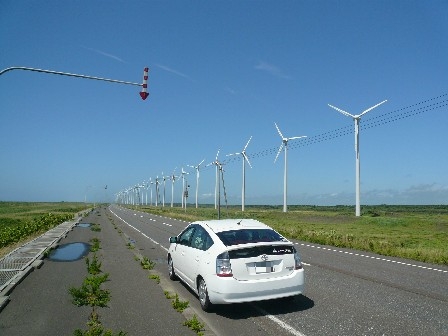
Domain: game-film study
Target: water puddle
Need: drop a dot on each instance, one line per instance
(69, 252)
(84, 225)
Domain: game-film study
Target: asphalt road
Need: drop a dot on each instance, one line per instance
(347, 292)
(41, 305)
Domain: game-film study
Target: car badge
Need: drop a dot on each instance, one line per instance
(264, 257)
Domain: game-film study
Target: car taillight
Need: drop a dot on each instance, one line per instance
(223, 266)
(297, 261)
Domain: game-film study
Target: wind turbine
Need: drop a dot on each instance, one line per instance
(245, 158)
(184, 201)
(150, 189)
(357, 119)
(164, 183)
(197, 179)
(284, 146)
(157, 190)
(173, 178)
(146, 185)
(217, 164)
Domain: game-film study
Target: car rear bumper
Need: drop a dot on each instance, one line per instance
(230, 290)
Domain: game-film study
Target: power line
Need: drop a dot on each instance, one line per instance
(379, 120)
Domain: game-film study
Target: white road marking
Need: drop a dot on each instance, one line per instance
(372, 257)
(282, 324)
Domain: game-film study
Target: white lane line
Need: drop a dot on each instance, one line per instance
(282, 324)
(372, 257)
(144, 235)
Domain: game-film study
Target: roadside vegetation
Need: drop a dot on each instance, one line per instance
(21, 222)
(92, 294)
(412, 232)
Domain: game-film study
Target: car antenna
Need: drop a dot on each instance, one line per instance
(239, 223)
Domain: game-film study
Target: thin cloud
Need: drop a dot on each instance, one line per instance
(163, 67)
(105, 54)
(271, 69)
(231, 91)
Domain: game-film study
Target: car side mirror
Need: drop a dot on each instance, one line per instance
(173, 240)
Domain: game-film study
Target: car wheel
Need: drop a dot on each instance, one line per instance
(171, 273)
(206, 305)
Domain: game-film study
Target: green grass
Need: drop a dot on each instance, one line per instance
(412, 232)
(19, 220)
(26, 210)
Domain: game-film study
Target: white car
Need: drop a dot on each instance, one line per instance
(235, 260)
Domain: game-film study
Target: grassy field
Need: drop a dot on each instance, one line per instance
(412, 232)
(21, 222)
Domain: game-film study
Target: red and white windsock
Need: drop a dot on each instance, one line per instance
(144, 94)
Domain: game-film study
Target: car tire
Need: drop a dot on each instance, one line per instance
(171, 273)
(204, 300)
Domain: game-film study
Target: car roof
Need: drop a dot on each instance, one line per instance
(220, 225)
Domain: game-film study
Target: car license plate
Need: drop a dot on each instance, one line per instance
(264, 267)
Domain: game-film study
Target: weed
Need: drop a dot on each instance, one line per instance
(147, 264)
(95, 244)
(94, 266)
(168, 295)
(95, 328)
(155, 277)
(195, 325)
(179, 305)
(130, 246)
(95, 227)
(90, 293)
(48, 252)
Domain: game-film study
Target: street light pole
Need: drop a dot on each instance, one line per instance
(144, 85)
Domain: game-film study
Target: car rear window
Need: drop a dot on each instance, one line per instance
(246, 236)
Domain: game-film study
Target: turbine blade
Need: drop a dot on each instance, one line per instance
(371, 108)
(297, 137)
(201, 162)
(279, 150)
(234, 154)
(247, 144)
(281, 135)
(246, 158)
(342, 111)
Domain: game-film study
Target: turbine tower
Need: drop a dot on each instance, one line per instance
(164, 184)
(197, 179)
(217, 164)
(150, 189)
(157, 190)
(184, 201)
(284, 146)
(245, 158)
(357, 119)
(172, 178)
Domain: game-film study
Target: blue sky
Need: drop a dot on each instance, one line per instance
(221, 72)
